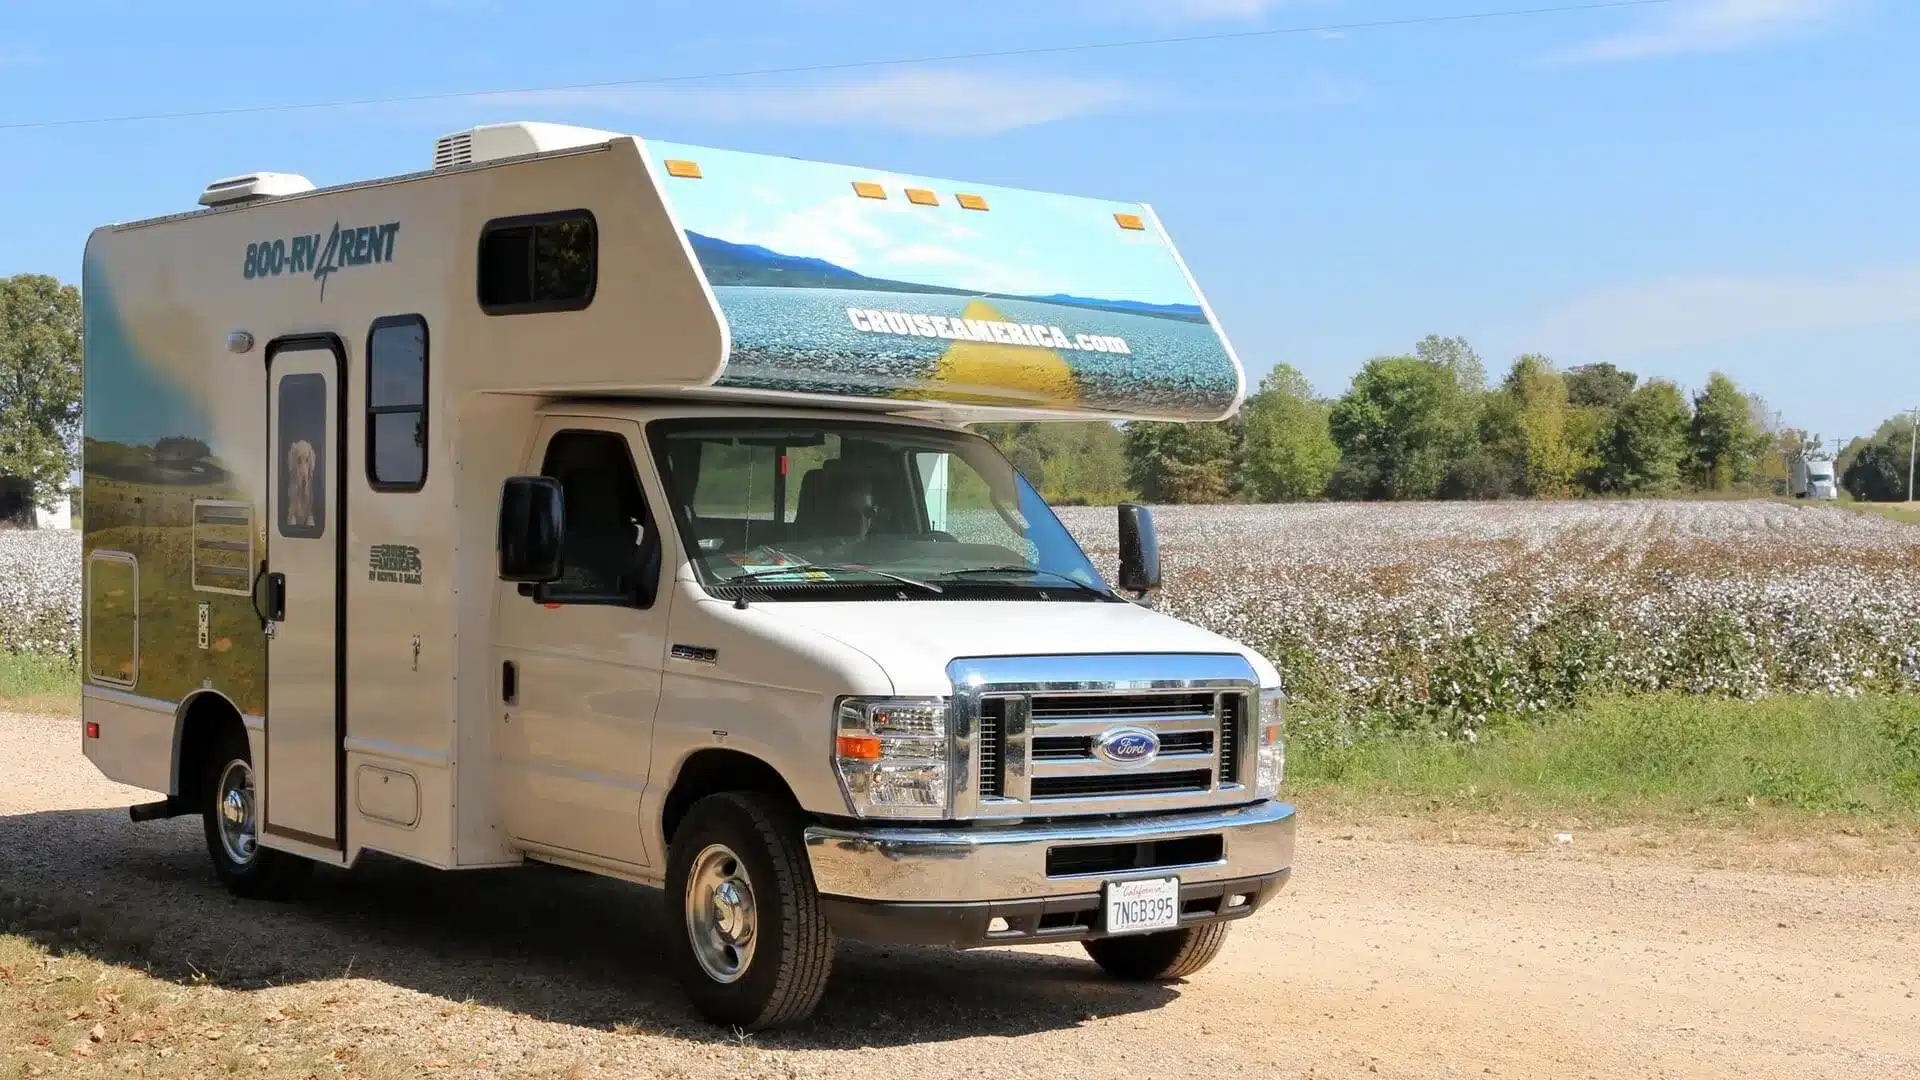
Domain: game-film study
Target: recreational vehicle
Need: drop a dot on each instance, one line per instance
(613, 504)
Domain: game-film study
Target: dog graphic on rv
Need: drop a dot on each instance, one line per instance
(300, 485)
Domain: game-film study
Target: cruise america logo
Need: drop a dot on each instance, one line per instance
(321, 255)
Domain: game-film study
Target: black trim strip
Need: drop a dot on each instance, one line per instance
(302, 837)
(334, 344)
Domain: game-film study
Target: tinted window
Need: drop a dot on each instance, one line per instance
(541, 263)
(397, 403)
(609, 554)
(301, 455)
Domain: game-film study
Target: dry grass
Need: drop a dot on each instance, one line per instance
(70, 1015)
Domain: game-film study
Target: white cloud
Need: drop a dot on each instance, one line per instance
(1707, 26)
(1687, 313)
(934, 102)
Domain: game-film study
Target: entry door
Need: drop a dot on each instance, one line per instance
(304, 708)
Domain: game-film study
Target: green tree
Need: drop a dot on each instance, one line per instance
(1287, 452)
(1648, 444)
(39, 382)
(1402, 428)
(1068, 463)
(1723, 438)
(1181, 463)
(1454, 354)
(1549, 460)
(1598, 385)
(1875, 470)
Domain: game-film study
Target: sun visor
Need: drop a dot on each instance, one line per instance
(849, 282)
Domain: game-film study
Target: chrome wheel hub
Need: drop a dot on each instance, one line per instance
(722, 919)
(235, 794)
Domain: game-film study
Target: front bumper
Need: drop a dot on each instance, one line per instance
(961, 885)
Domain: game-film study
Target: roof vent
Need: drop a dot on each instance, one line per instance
(491, 142)
(254, 187)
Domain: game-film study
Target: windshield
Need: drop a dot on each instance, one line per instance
(839, 509)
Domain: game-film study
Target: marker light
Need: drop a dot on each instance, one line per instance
(970, 202)
(922, 197)
(1130, 221)
(686, 170)
(1271, 748)
(868, 190)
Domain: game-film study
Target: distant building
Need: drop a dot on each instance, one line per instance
(18, 509)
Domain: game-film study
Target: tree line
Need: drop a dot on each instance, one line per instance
(1426, 425)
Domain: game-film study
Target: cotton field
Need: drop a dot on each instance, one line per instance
(40, 591)
(1440, 614)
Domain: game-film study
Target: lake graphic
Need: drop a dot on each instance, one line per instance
(836, 280)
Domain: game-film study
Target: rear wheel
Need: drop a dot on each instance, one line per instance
(1174, 954)
(749, 942)
(232, 820)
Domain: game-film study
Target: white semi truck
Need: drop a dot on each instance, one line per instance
(1812, 477)
(611, 504)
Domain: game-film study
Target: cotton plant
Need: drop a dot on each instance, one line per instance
(1443, 616)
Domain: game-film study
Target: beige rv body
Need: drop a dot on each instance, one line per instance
(380, 716)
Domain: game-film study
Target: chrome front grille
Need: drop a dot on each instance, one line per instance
(1041, 735)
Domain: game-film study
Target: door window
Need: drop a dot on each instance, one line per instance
(302, 456)
(610, 554)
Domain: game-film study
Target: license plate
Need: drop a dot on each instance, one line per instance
(1135, 907)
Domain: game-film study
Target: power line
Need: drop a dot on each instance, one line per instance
(814, 69)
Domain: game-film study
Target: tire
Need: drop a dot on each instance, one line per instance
(748, 941)
(243, 866)
(1163, 957)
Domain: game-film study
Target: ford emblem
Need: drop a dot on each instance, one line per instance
(1127, 746)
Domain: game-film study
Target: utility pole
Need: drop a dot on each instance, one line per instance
(1913, 444)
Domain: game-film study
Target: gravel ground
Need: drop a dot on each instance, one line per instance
(1390, 956)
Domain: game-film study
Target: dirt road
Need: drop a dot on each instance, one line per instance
(1387, 958)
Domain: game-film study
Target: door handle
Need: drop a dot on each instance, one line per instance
(509, 683)
(276, 597)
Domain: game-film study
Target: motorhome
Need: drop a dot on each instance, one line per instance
(1812, 477)
(614, 504)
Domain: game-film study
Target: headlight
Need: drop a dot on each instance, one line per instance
(1271, 757)
(892, 756)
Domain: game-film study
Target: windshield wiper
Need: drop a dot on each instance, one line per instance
(802, 568)
(1054, 574)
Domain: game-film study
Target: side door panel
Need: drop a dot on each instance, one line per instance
(576, 739)
(305, 688)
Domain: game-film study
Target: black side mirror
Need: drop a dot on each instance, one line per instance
(1139, 550)
(532, 523)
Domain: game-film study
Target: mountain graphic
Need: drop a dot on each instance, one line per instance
(728, 263)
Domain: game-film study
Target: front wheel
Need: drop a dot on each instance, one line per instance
(1163, 957)
(749, 942)
(232, 823)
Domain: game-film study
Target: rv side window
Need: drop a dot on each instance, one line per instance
(610, 554)
(397, 403)
(546, 262)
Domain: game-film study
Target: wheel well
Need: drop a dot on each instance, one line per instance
(710, 772)
(207, 718)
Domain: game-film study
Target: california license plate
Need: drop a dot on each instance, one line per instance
(1135, 907)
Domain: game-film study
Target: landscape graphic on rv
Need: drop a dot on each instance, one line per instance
(876, 284)
(168, 498)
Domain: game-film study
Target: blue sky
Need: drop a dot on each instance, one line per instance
(1698, 185)
(1036, 244)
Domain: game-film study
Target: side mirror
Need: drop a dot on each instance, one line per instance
(1139, 550)
(532, 523)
